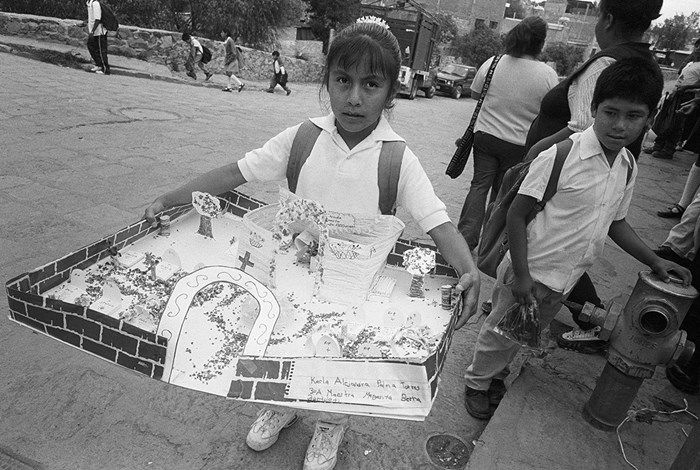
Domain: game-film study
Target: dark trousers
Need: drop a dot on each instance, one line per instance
(492, 158)
(97, 46)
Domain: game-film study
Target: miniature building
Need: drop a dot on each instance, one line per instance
(348, 258)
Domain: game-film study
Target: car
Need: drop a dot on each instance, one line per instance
(454, 79)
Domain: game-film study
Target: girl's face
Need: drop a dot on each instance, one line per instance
(357, 98)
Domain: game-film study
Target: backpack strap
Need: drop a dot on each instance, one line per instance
(388, 172)
(304, 141)
(563, 149)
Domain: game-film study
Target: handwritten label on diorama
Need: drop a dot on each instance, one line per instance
(358, 383)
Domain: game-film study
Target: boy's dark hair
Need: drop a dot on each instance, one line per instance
(369, 44)
(186, 37)
(633, 79)
(275, 54)
(631, 16)
(526, 38)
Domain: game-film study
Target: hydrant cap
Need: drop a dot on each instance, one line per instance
(674, 288)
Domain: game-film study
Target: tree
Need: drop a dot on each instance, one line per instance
(675, 32)
(447, 31)
(566, 56)
(325, 15)
(477, 45)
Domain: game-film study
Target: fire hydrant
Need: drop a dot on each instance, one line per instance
(642, 335)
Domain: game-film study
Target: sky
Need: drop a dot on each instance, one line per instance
(673, 7)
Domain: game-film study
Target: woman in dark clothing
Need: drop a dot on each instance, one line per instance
(566, 109)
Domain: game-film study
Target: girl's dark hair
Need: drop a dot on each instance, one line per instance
(631, 17)
(527, 38)
(369, 44)
(633, 79)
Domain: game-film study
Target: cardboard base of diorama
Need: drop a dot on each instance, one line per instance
(183, 308)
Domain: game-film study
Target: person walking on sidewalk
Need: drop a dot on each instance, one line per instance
(550, 253)
(519, 83)
(97, 38)
(279, 74)
(195, 57)
(233, 62)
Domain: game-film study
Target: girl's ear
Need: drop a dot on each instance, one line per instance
(594, 108)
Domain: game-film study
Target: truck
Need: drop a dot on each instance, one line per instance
(416, 30)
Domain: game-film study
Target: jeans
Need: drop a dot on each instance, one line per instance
(97, 46)
(492, 158)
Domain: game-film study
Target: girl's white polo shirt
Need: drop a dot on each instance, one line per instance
(345, 180)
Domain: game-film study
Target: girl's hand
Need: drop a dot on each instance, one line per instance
(661, 267)
(523, 289)
(151, 211)
(468, 286)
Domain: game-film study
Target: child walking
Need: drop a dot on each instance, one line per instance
(548, 255)
(341, 172)
(195, 57)
(232, 63)
(279, 74)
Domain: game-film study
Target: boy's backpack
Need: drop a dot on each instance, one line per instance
(389, 168)
(206, 55)
(493, 244)
(109, 21)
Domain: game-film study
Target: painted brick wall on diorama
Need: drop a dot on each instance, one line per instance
(261, 379)
(82, 327)
(92, 331)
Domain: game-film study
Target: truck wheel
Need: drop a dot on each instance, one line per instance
(429, 92)
(414, 90)
(457, 92)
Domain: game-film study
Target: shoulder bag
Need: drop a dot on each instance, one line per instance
(464, 144)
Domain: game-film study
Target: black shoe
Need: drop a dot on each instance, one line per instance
(662, 154)
(289, 92)
(192, 74)
(673, 212)
(477, 403)
(582, 341)
(496, 392)
(240, 88)
(682, 381)
(667, 253)
(208, 76)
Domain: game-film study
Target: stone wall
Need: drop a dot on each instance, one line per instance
(158, 46)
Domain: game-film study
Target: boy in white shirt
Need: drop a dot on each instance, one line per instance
(195, 57)
(594, 190)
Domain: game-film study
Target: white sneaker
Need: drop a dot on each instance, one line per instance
(95, 69)
(266, 429)
(99, 72)
(322, 453)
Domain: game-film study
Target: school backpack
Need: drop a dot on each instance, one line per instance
(206, 54)
(493, 244)
(109, 21)
(389, 168)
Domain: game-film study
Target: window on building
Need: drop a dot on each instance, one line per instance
(493, 24)
(479, 22)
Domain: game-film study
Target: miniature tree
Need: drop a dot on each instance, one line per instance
(208, 207)
(418, 262)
